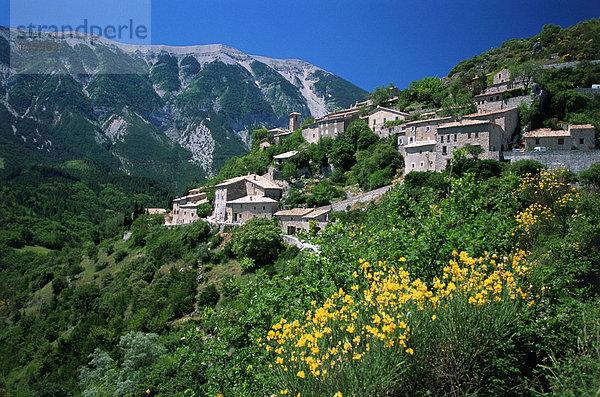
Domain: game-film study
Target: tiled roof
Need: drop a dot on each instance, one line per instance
(384, 109)
(425, 122)
(580, 126)
(491, 93)
(474, 115)
(231, 180)
(294, 212)
(286, 155)
(463, 123)
(252, 199)
(419, 144)
(546, 133)
(253, 178)
(316, 213)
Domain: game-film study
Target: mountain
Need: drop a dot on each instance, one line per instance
(171, 113)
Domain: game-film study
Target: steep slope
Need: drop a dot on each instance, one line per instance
(171, 112)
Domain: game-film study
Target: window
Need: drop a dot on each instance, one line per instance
(374, 121)
(447, 162)
(469, 135)
(397, 118)
(477, 135)
(581, 141)
(497, 97)
(537, 141)
(384, 120)
(422, 164)
(411, 139)
(444, 151)
(493, 148)
(412, 128)
(412, 165)
(441, 139)
(455, 137)
(561, 141)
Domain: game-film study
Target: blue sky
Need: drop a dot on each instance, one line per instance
(369, 43)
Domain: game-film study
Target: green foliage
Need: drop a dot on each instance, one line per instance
(102, 376)
(209, 296)
(258, 239)
(591, 176)
(377, 166)
(381, 95)
(307, 121)
(524, 167)
(323, 193)
(203, 210)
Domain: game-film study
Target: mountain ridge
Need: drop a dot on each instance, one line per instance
(201, 101)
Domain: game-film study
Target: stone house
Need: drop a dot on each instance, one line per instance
(507, 119)
(248, 207)
(330, 125)
(184, 208)
(419, 156)
(292, 220)
(485, 134)
(427, 145)
(416, 142)
(296, 219)
(227, 192)
(377, 118)
(581, 137)
(496, 95)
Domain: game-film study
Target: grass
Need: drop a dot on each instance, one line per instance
(34, 249)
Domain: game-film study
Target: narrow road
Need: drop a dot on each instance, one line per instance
(361, 198)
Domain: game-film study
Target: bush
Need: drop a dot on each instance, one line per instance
(209, 296)
(523, 167)
(203, 210)
(120, 255)
(258, 239)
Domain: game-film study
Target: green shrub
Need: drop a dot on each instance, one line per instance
(120, 255)
(209, 296)
(258, 239)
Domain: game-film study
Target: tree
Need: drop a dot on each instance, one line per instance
(458, 104)
(427, 88)
(203, 210)
(102, 377)
(473, 150)
(258, 239)
(307, 121)
(591, 176)
(381, 95)
(525, 73)
(342, 154)
(523, 167)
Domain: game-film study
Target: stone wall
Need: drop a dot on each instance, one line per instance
(575, 160)
(243, 212)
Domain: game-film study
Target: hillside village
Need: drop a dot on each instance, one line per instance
(427, 143)
(415, 241)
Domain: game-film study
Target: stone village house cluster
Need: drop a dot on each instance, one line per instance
(426, 145)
